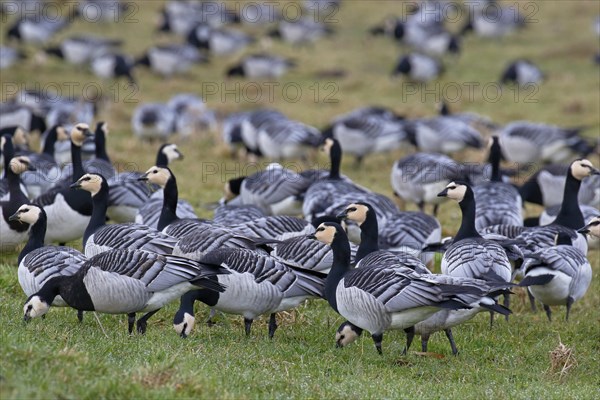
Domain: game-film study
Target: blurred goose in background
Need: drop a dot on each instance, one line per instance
(300, 31)
(10, 57)
(127, 194)
(95, 11)
(286, 139)
(69, 112)
(15, 114)
(522, 73)
(192, 116)
(569, 268)
(231, 131)
(261, 65)
(79, 50)
(219, 41)
(13, 232)
(113, 66)
(252, 125)
(125, 282)
(442, 134)
(7, 152)
(418, 67)
(227, 215)
(170, 59)
(492, 20)
(181, 17)
(37, 29)
(367, 130)
(529, 142)
(152, 121)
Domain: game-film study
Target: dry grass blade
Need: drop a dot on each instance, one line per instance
(562, 360)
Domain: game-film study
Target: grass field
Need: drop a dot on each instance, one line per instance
(60, 358)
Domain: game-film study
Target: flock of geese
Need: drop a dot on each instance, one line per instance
(353, 247)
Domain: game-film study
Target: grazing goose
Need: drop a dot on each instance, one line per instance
(418, 178)
(113, 66)
(251, 126)
(173, 211)
(38, 264)
(168, 60)
(324, 192)
(37, 29)
(153, 121)
(12, 232)
(592, 228)
(367, 130)
(418, 67)
(442, 135)
(99, 237)
(381, 298)
(257, 284)
(68, 211)
(127, 194)
(192, 116)
(494, 21)
(527, 142)
(79, 50)
(220, 41)
(522, 73)
(231, 131)
(9, 57)
(261, 65)
(568, 220)
(497, 202)
(125, 282)
(301, 31)
(570, 270)
(285, 139)
(276, 190)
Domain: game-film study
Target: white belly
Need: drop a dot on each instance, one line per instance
(554, 292)
(243, 296)
(64, 223)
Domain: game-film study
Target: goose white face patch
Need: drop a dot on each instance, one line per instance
(35, 307)
(171, 152)
(18, 165)
(345, 336)
(29, 214)
(91, 183)
(186, 326)
(20, 137)
(581, 169)
(357, 213)
(78, 133)
(594, 227)
(328, 145)
(456, 191)
(325, 234)
(158, 176)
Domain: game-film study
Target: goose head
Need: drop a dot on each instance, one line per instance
(171, 152)
(157, 175)
(20, 164)
(34, 307)
(102, 127)
(455, 191)
(92, 183)
(357, 212)
(347, 334)
(27, 214)
(20, 137)
(61, 133)
(183, 323)
(583, 168)
(327, 232)
(593, 228)
(233, 188)
(79, 133)
(329, 144)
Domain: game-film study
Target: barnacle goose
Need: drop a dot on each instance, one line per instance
(25, 116)
(300, 31)
(68, 211)
(251, 126)
(191, 114)
(497, 202)
(528, 142)
(284, 139)
(367, 130)
(113, 65)
(172, 210)
(231, 131)
(570, 270)
(442, 134)
(170, 59)
(9, 57)
(37, 29)
(275, 190)
(38, 264)
(257, 284)
(227, 214)
(82, 49)
(7, 151)
(492, 20)
(99, 237)
(261, 65)
(153, 121)
(569, 218)
(418, 67)
(125, 282)
(419, 177)
(219, 41)
(380, 298)
(522, 73)
(127, 194)
(12, 232)
(322, 193)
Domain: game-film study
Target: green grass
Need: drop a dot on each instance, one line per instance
(60, 358)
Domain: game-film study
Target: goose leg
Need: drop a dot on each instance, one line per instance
(424, 341)
(272, 325)
(435, 209)
(80, 315)
(377, 339)
(210, 321)
(358, 161)
(570, 302)
(451, 340)
(130, 322)
(506, 304)
(410, 335)
(548, 312)
(531, 301)
(248, 325)
(491, 319)
(143, 322)
(421, 206)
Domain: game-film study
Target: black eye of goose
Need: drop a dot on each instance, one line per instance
(320, 229)
(25, 210)
(352, 209)
(155, 171)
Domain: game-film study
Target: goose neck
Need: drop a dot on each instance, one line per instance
(369, 238)
(570, 214)
(339, 268)
(36, 237)
(168, 213)
(467, 227)
(98, 218)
